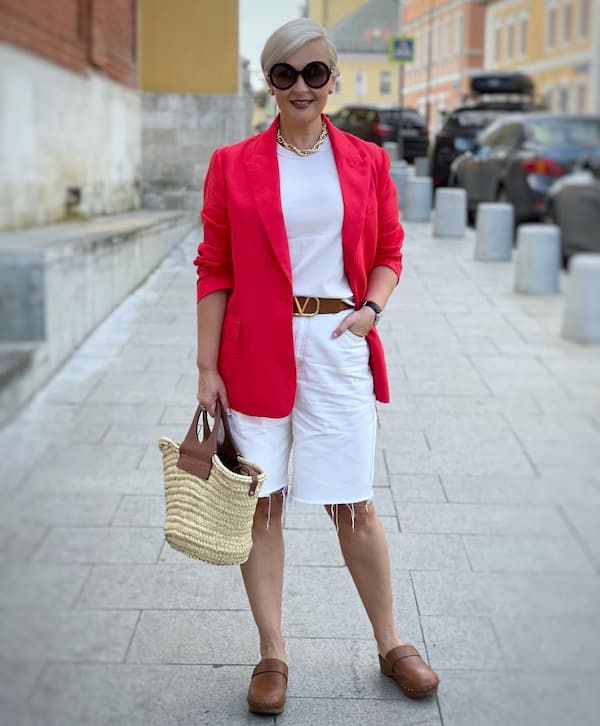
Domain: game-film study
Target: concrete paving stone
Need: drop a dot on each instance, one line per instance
(176, 416)
(143, 433)
(56, 479)
(188, 383)
(380, 471)
(34, 508)
(33, 584)
(151, 352)
(139, 695)
(415, 488)
(101, 545)
(440, 369)
(455, 387)
(467, 643)
(402, 439)
(463, 594)
(523, 490)
(316, 548)
(586, 523)
(344, 711)
(340, 613)
(196, 637)
(66, 635)
(66, 390)
(586, 403)
(188, 585)
(151, 462)
(346, 668)
(16, 683)
(17, 543)
(521, 403)
(564, 643)
(40, 412)
(140, 511)
(114, 413)
(522, 698)
(426, 552)
(486, 519)
(483, 459)
(170, 340)
(582, 370)
(554, 554)
(81, 432)
(21, 450)
(99, 458)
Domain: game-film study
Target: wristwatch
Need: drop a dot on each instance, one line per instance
(375, 308)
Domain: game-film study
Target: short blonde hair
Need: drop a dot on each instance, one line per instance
(289, 38)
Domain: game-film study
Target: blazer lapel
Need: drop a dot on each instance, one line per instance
(351, 165)
(263, 177)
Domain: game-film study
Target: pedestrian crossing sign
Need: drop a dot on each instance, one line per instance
(402, 49)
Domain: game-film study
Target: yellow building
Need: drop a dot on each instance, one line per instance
(556, 42)
(361, 32)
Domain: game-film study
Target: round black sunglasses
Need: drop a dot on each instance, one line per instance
(315, 74)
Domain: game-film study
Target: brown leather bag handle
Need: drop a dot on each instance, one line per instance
(195, 457)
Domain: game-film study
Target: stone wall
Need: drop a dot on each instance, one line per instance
(70, 143)
(179, 134)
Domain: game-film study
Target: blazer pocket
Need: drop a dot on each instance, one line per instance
(231, 328)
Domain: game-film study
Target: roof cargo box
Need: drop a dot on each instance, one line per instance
(499, 82)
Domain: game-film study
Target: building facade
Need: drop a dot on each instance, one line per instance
(556, 42)
(449, 49)
(69, 109)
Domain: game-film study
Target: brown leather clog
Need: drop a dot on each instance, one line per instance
(414, 677)
(267, 687)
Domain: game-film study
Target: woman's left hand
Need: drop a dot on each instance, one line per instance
(358, 322)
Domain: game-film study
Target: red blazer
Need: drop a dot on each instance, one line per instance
(245, 250)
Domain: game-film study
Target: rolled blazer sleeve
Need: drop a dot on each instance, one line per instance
(214, 260)
(390, 232)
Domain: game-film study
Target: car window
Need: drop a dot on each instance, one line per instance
(565, 131)
(473, 119)
(362, 115)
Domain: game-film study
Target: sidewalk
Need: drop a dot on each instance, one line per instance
(488, 483)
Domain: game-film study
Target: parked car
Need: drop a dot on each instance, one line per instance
(573, 204)
(385, 123)
(498, 93)
(519, 156)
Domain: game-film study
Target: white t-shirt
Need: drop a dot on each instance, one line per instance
(313, 210)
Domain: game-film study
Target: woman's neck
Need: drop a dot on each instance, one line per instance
(301, 136)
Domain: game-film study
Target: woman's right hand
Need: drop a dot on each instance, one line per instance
(211, 387)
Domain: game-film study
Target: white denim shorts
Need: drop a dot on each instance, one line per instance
(324, 450)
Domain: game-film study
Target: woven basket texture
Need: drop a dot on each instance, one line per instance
(208, 520)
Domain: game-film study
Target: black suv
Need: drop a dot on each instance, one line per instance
(501, 93)
(382, 123)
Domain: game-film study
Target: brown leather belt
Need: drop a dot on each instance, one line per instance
(306, 306)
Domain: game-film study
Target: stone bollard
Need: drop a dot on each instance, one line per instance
(494, 232)
(400, 172)
(392, 149)
(421, 166)
(450, 213)
(538, 259)
(418, 199)
(581, 317)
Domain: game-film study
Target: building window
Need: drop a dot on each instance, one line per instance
(459, 34)
(447, 38)
(523, 28)
(360, 84)
(510, 40)
(567, 23)
(497, 44)
(563, 99)
(385, 83)
(584, 18)
(581, 98)
(551, 26)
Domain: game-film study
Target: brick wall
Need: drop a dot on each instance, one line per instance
(76, 33)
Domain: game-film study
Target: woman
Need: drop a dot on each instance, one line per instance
(301, 251)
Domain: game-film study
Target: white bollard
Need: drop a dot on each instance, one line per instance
(392, 149)
(450, 213)
(400, 172)
(418, 199)
(494, 232)
(581, 317)
(421, 166)
(538, 259)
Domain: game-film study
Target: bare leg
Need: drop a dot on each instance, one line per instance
(263, 576)
(365, 552)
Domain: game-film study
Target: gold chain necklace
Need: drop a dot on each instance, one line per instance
(303, 152)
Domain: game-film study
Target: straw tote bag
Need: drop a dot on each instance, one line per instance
(210, 493)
